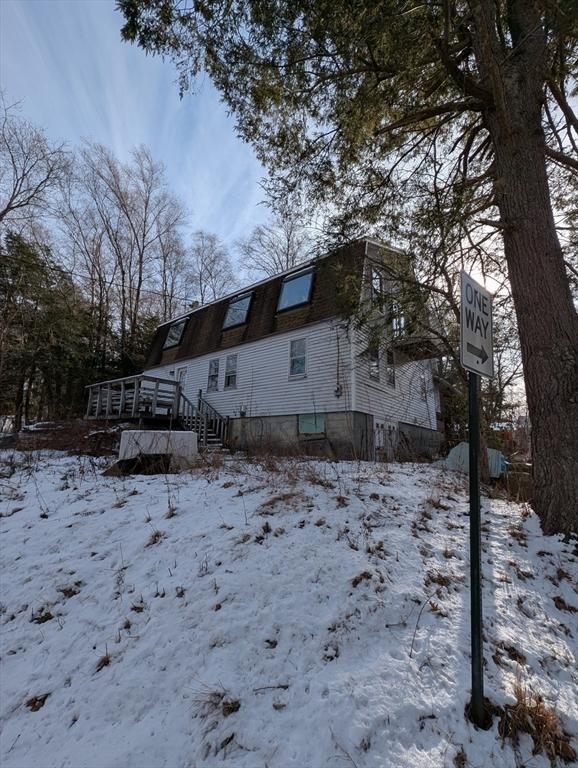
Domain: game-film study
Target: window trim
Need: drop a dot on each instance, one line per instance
(231, 303)
(182, 321)
(289, 279)
(295, 376)
(216, 388)
(227, 372)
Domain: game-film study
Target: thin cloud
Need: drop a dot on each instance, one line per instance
(64, 59)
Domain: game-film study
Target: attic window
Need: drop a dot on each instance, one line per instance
(295, 290)
(175, 334)
(237, 311)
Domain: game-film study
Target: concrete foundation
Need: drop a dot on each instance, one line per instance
(182, 445)
(348, 435)
(415, 441)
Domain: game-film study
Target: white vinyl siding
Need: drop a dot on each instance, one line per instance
(263, 384)
(405, 394)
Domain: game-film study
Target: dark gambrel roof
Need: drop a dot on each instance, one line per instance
(204, 332)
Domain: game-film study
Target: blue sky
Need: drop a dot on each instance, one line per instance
(65, 61)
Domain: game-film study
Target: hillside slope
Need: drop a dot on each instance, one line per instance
(275, 613)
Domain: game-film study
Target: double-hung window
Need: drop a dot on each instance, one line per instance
(237, 311)
(378, 286)
(397, 320)
(175, 334)
(298, 358)
(231, 372)
(295, 290)
(213, 380)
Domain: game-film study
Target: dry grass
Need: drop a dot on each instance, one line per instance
(436, 503)
(532, 716)
(364, 576)
(103, 662)
(435, 577)
(562, 605)
(42, 616)
(268, 507)
(37, 702)
(155, 538)
(519, 534)
(460, 759)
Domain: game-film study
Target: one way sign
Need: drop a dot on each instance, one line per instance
(476, 346)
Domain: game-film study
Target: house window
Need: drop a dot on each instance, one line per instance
(374, 362)
(297, 357)
(237, 311)
(311, 423)
(213, 381)
(390, 368)
(377, 286)
(175, 334)
(295, 290)
(397, 320)
(231, 372)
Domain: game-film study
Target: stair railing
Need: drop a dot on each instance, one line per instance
(212, 420)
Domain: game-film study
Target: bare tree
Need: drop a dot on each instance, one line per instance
(275, 247)
(211, 273)
(30, 167)
(139, 217)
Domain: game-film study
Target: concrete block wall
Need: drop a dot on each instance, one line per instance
(348, 435)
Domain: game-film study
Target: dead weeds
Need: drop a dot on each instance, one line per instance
(532, 716)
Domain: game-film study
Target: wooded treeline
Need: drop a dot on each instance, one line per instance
(94, 253)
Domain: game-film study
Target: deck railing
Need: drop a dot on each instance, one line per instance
(133, 397)
(149, 397)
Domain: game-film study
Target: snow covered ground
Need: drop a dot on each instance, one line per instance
(274, 613)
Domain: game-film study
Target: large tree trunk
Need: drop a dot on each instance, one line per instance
(547, 320)
(548, 328)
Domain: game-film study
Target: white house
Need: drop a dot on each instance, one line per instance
(319, 359)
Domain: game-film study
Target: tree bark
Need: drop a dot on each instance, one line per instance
(548, 327)
(547, 319)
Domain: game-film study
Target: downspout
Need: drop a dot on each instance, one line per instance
(353, 349)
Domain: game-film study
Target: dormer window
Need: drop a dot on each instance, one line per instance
(237, 311)
(295, 290)
(175, 334)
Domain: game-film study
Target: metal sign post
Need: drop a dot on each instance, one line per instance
(476, 355)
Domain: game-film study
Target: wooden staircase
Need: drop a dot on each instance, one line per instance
(149, 399)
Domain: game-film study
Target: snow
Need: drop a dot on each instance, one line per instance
(282, 614)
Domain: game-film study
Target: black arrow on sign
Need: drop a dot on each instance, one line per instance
(481, 353)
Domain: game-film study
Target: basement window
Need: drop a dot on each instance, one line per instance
(237, 311)
(175, 334)
(311, 423)
(295, 290)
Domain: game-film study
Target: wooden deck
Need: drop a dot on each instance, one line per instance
(149, 398)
